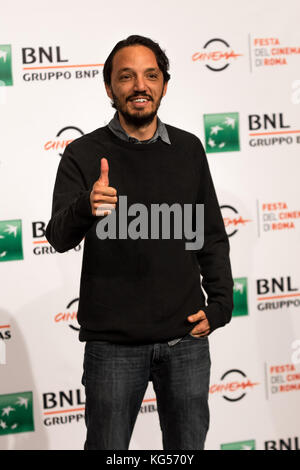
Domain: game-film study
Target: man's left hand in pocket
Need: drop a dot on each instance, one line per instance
(202, 328)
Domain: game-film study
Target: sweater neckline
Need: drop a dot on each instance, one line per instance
(132, 145)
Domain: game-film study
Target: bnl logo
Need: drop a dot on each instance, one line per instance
(5, 65)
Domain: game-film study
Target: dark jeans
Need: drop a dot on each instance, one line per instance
(116, 377)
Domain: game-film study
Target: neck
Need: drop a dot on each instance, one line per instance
(140, 133)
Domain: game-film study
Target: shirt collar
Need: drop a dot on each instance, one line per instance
(161, 132)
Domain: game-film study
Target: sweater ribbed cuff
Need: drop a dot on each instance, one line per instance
(83, 206)
(215, 316)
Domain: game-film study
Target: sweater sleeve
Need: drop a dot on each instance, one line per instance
(71, 214)
(213, 258)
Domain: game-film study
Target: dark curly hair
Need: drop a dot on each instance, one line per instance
(161, 58)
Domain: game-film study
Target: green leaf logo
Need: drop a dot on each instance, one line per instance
(222, 132)
(5, 65)
(240, 297)
(11, 240)
(16, 413)
(242, 445)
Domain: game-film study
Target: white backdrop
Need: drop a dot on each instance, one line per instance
(255, 381)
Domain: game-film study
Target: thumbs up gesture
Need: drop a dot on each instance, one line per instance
(103, 197)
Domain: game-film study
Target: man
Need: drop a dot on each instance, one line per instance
(142, 310)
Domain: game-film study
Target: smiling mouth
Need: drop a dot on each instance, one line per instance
(139, 99)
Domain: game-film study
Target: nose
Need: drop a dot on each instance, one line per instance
(139, 83)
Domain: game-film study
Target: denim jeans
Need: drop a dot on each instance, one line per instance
(116, 377)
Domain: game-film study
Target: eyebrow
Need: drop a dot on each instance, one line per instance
(128, 69)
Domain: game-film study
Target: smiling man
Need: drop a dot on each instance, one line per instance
(137, 91)
(142, 310)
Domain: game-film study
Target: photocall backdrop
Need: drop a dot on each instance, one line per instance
(235, 83)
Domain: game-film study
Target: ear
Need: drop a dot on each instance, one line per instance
(108, 91)
(165, 89)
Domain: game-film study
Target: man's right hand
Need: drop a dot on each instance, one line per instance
(103, 198)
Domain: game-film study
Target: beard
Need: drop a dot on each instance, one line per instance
(135, 119)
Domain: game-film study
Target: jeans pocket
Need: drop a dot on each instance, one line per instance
(189, 337)
(197, 338)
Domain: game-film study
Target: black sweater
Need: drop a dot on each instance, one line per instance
(142, 291)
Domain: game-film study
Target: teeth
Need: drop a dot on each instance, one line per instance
(139, 100)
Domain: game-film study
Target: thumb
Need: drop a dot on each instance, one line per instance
(104, 168)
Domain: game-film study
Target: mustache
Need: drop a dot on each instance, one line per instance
(139, 95)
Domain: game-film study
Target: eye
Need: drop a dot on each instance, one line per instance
(124, 77)
(152, 76)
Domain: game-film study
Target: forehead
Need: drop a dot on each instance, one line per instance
(134, 57)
